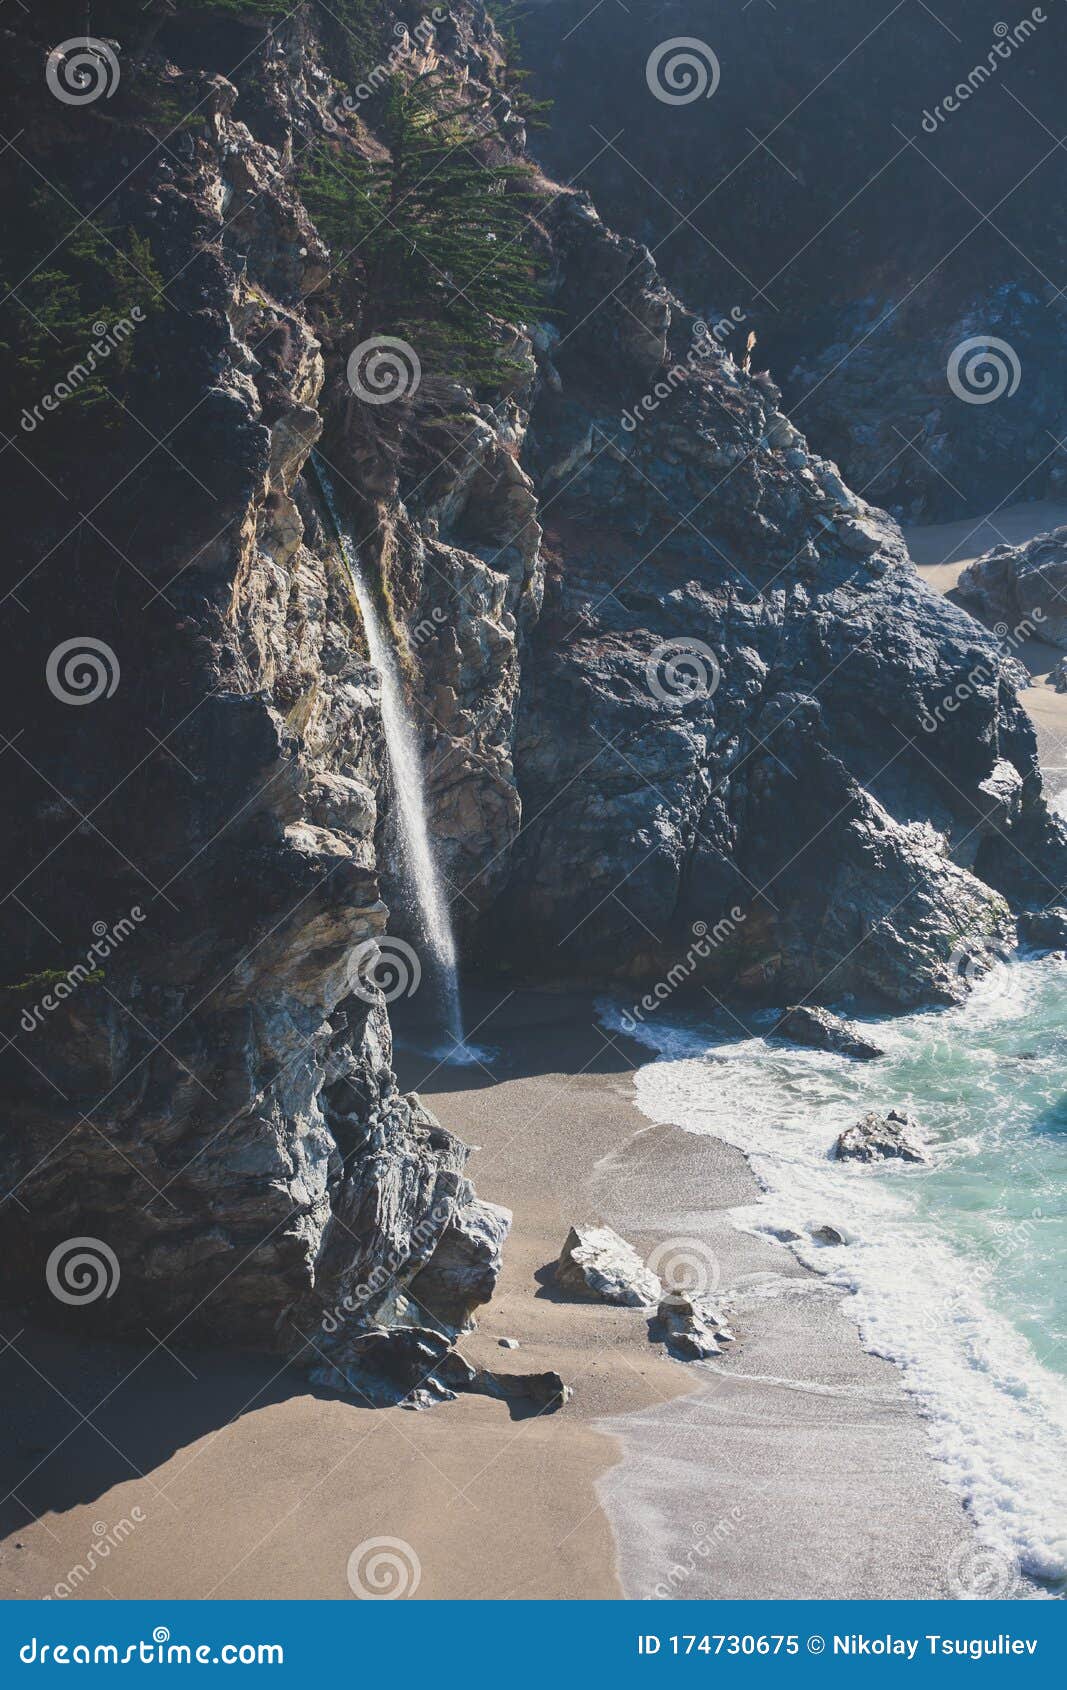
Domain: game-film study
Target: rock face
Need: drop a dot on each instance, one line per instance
(824, 1031)
(674, 680)
(1022, 586)
(877, 1138)
(597, 1265)
(842, 222)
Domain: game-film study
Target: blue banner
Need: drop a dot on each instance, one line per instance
(459, 1644)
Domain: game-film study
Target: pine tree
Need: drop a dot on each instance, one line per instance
(442, 239)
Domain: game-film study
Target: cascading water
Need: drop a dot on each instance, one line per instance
(420, 871)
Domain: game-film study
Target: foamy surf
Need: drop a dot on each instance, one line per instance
(950, 1271)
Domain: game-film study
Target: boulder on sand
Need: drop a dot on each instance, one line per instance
(597, 1265)
(882, 1138)
(807, 1025)
(691, 1329)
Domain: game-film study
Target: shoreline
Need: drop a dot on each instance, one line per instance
(796, 1467)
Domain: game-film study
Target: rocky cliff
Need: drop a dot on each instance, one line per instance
(872, 184)
(687, 710)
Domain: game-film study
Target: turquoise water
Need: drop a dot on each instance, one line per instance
(955, 1270)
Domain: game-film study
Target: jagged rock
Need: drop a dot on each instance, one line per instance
(1019, 585)
(807, 1025)
(878, 1138)
(692, 1329)
(1044, 929)
(597, 1265)
(1059, 675)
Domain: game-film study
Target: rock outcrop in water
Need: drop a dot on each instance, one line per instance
(673, 679)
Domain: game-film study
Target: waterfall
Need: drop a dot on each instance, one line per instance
(420, 873)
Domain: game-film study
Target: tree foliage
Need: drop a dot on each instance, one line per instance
(441, 239)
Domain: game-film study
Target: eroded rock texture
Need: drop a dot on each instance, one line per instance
(214, 1097)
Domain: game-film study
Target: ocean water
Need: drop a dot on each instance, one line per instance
(955, 1271)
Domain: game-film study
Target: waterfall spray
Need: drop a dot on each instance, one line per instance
(419, 868)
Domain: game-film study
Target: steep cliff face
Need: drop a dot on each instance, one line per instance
(204, 793)
(872, 184)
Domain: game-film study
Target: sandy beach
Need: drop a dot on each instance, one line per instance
(795, 1467)
(240, 1481)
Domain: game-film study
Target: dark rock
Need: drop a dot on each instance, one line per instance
(827, 1235)
(878, 1138)
(596, 1265)
(1044, 929)
(1022, 587)
(824, 1031)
